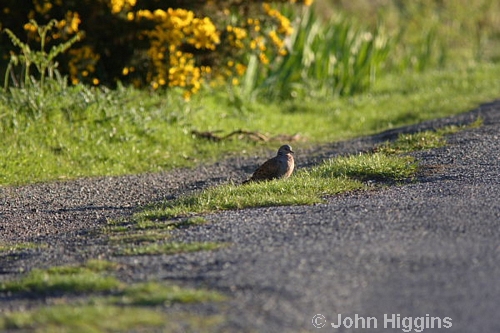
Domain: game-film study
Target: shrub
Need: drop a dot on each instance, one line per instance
(151, 43)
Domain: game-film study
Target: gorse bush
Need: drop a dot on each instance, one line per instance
(152, 43)
(276, 50)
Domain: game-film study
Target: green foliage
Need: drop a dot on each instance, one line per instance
(105, 305)
(423, 140)
(332, 58)
(20, 247)
(65, 279)
(152, 294)
(337, 175)
(305, 187)
(168, 248)
(37, 94)
(82, 318)
(429, 34)
(44, 62)
(376, 166)
(136, 238)
(100, 317)
(93, 131)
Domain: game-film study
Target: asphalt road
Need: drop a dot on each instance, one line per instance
(428, 250)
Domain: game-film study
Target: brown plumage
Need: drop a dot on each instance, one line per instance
(280, 166)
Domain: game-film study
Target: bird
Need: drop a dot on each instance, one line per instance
(280, 166)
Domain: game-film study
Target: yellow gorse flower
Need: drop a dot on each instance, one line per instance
(118, 5)
(183, 49)
(171, 66)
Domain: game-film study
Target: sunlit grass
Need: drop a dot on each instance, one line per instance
(4, 247)
(103, 317)
(153, 293)
(66, 279)
(86, 318)
(408, 142)
(306, 187)
(106, 304)
(148, 236)
(389, 163)
(90, 133)
(168, 248)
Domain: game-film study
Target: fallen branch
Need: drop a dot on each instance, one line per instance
(251, 135)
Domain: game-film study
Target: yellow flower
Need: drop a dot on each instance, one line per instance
(160, 14)
(263, 59)
(241, 69)
(30, 27)
(74, 23)
(118, 5)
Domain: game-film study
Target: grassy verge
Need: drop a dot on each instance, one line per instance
(388, 163)
(20, 247)
(109, 304)
(90, 132)
(98, 317)
(168, 248)
(305, 187)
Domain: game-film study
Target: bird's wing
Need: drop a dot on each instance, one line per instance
(268, 170)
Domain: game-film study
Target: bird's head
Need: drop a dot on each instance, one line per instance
(285, 149)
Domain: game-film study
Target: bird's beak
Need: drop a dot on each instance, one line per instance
(291, 151)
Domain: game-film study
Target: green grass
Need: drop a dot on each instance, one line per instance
(147, 236)
(423, 140)
(106, 305)
(88, 132)
(143, 229)
(86, 318)
(305, 187)
(65, 279)
(153, 293)
(376, 166)
(388, 163)
(168, 248)
(103, 317)
(20, 247)
(150, 236)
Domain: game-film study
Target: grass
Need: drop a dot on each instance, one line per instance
(424, 140)
(20, 247)
(90, 132)
(152, 294)
(388, 163)
(109, 304)
(155, 228)
(65, 279)
(168, 248)
(147, 236)
(86, 318)
(305, 187)
(105, 318)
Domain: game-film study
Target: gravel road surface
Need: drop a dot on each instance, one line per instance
(429, 250)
